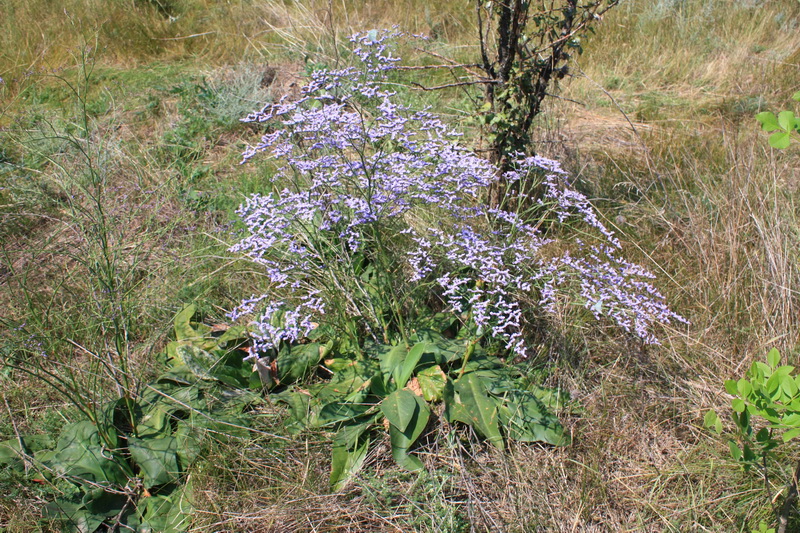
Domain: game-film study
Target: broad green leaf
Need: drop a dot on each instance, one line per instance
(347, 386)
(791, 434)
(792, 420)
(183, 327)
(525, 418)
(335, 412)
(79, 519)
(300, 407)
(156, 421)
(780, 140)
(710, 419)
(337, 364)
(768, 120)
(198, 361)
(788, 386)
(796, 96)
(157, 458)
(483, 364)
(232, 369)
(448, 350)
(774, 385)
(297, 362)
(736, 452)
(188, 438)
(431, 380)
(403, 440)
(166, 513)
(235, 334)
(774, 358)
(731, 387)
(345, 463)
(744, 388)
(479, 408)
(100, 502)
(349, 435)
(763, 435)
(403, 372)
(786, 120)
(80, 454)
(738, 405)
(11, 455)
(399, 408)
(748, 454)
(391, 362)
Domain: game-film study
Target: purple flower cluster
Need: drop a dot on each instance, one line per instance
(354, 164)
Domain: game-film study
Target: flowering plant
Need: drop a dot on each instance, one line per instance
(376, 229)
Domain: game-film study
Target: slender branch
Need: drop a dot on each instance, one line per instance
(788, 503)
(457, 84)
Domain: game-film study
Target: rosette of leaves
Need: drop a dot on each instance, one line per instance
(393, 388)
(113, 473)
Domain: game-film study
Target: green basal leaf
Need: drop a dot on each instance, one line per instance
(403, 372)
(80, 454)
(234, 335)
(347, 386)
(480, 410)
(156, 421)
(76, 518)
(391, 362)
(11, 455)
(399, 408)
(188, 437)
(402, 440)
(447, 350)
(157, 458)
(198, 361)
(336, 412)
(431, 381)
(301, 409)
(167, 513)
(346, 463)
(100, 502)
(731, 387)
(295, 363)
(183, 327)
(526, 419)
(348, 437)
